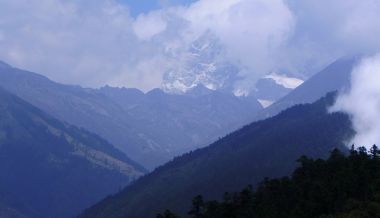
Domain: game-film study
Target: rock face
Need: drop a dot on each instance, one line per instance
(150, 128)
(267, 148)
(204, 64)
(52, 169)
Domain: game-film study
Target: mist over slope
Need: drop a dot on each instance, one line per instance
(362, 101)
(52, 169)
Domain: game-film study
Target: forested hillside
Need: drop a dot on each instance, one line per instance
(341, 186)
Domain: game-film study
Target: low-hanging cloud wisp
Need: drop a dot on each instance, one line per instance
(362, 102)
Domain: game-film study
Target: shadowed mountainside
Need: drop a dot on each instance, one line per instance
(52, 169)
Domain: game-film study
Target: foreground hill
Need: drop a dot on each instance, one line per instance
(151, 128)
(310, 192)
(51, 169)
(266, 148)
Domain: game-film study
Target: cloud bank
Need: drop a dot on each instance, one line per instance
(362, 102)
(98, 42)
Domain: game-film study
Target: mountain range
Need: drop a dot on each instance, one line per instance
(266, 148)
(151, 128)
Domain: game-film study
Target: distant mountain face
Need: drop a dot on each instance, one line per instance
(150, 128)
(267, 148)
(335, 77)
(202, 64)
(51, 169)
(170, 125)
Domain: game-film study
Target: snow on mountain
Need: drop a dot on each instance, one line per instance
(285, 81)
(335, 77)
(203, 64)
(273, 87)
(265, 103)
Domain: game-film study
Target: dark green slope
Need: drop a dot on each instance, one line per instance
(266, 148)
(343, 186)
(51, 169)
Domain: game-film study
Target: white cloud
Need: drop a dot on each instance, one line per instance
(253, 31)
(326, 30)
(362, 102)
(83, 41)
(147, 26)
(147, 74)
(98, 42)
(250, 32)
(95, 42)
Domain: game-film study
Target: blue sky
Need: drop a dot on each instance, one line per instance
(143, 6)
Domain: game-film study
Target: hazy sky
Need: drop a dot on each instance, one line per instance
(137, 7)
(134, 43)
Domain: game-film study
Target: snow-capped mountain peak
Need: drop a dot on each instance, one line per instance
(204, 65)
